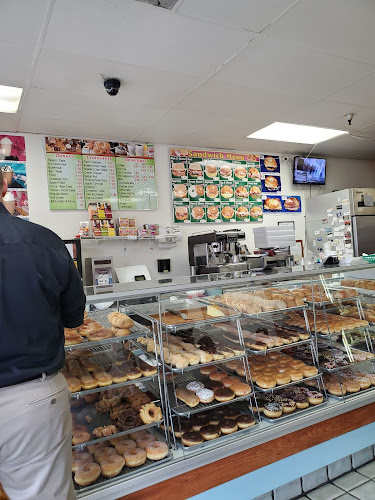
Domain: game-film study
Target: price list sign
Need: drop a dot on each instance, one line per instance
(100, 179)
(136, 184)
(65, 181)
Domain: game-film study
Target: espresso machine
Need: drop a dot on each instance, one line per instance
(216, 252)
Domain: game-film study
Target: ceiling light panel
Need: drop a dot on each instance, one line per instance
(302, 134)
(9, 99)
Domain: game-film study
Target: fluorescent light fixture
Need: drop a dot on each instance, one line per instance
(9, 99)
(289, 132)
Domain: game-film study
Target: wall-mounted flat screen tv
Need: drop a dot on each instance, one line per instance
(309, 170)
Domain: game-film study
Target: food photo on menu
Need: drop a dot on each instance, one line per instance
(271, 184)
(63, 145)
(254, 173)
(195, 171)
(291, 203)
(213, 213)
(196, 192)
(98, 148)
(255, 193)
(256, 212)
(269, 164)
(180, 191)
(240, 172)
(211, 170)
(226, 192)
(272, 204)
(178, 169)
(226, 171)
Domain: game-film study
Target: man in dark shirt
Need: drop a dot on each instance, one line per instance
(40, 294)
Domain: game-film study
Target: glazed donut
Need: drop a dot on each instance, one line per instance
(102, 377)
(135, 457)
(282, 378)
(104, 453)
(309, 371)
(228, 426)
(336, 389)
(73, 338)
(352, 386)
(112, 466)
(142, 442)
(156, 450)
(228, 381)
(240, 389)
(266, 382)
(295, 375)
(245, 421)
(80, 437)
(191, 438)
(81, 459)
(87, 474)
(125, 445)
(364, 383)
(150, 413)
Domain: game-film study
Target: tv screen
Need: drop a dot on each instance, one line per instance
(309, 170)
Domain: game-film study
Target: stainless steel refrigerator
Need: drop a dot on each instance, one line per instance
(345, 219)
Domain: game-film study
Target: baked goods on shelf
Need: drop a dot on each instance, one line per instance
(265, 300)
(348, 381)
(352, 312)
(202, 313)
(355, 283)
(325, 323)
(211, 425)
(287, 400)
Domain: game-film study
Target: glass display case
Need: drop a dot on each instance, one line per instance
(226, 358)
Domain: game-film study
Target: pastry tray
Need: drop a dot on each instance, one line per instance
(103, 419)
(298, 411)
(350, 395)
(330, 370)
(361, 329)
(181, 409)
(361, 291)
(147, 310)
(126, 473)
(100, 355)
(135, 332)
(277, 387)
(278, 348)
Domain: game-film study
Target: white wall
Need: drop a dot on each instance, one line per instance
(341, 173)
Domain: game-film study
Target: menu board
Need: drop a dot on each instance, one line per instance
(212, 186)
(120, 173)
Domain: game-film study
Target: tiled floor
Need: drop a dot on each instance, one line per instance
(359, 484)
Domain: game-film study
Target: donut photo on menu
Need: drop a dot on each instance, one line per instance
(240, 172)
(256, 212)
(273, 204)
(180, 191)
(254, 173)
(255, 192)
(197, 213)
(241, 192)
(227, 213)
(226, 171)
(181, 213)
(196, 191)
(226, 192)
(178, 169)
(271, 183)
(292, 204)
(211, 170)
(270, 164)
(213, 213)
(195, 170)
(212, 191)
(242, 213)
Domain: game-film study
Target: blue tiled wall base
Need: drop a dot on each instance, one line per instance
(272, 476)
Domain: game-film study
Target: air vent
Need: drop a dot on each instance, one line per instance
(164, 4)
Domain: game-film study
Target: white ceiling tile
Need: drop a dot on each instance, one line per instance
(8, 122)
(331, 114)
(21, 21)
(61, 71)
(268, 65)
(253, 15)
(345, 146)
(139, 34)
(106, 110)
(16, 63)
(360, 93)
(341, 27)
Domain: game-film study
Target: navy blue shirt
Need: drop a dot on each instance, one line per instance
(40, 293)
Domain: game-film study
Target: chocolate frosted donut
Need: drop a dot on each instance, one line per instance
(245, 421)
(192, 438)
(228, 426)
(231, 413)
(224, 394)
(210, 432)
(213, 385)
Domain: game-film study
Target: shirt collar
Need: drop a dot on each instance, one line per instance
(3, 210)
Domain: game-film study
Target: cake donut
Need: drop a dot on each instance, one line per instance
(87, 474)
(209, 432)
(143, 441)
(192, 438)
(112, 466)
(157, 450)
(135, 457)
(81, 459)
(228, 426)
(150, 413)
(245, 421)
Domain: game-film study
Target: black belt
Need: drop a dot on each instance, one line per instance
(30, 379)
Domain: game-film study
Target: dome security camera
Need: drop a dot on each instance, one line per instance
(112, 86)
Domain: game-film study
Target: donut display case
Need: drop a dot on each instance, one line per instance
(117, 422)
(206, 378)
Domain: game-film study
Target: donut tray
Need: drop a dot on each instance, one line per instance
(350, 395)
(136, 331)
(102, 356)
(326, 336)
(277, 387)
(126, 473)
(278, 348)
(350, 365)
(298, 411)
(183, 410)
(361, 291)
(103, 419)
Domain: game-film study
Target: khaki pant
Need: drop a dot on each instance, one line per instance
(35, 440)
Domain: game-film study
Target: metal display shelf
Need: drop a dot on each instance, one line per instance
(277, 387)
(351, 394)
(278, 348)
(297, 411)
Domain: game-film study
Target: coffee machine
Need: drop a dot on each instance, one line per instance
(216, 252)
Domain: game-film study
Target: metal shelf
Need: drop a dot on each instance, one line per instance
(277, 387)
(297, 411)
